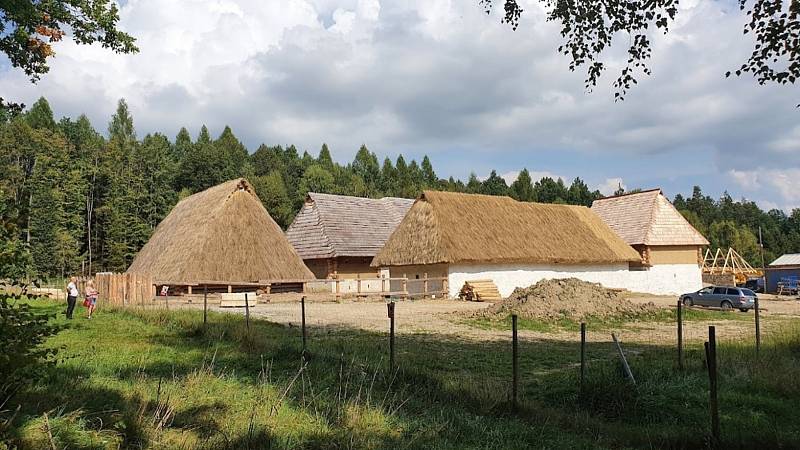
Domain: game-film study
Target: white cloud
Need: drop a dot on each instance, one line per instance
(610, 185)
(747, 179)
(421, 76)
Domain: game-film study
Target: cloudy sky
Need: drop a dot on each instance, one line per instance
(442, 78)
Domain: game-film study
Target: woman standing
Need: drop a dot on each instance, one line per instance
(72, 295)
(91, 297)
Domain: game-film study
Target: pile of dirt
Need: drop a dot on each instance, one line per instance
(570, 298)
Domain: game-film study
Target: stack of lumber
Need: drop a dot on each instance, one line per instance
(480, 291)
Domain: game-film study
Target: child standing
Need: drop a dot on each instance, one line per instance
(91, 297)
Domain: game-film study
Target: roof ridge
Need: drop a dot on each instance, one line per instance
(321, 221)
(651, 219)
(628, 194)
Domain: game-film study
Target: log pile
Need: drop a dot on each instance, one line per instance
(480, 291)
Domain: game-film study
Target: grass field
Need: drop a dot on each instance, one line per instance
(157, 379)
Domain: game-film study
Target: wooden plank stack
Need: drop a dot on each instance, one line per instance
(480, 291)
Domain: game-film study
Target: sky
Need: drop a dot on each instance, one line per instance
(445, 79)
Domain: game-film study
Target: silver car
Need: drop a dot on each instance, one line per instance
(724, 297)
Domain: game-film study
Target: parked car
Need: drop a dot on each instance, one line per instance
(755, 284)
(725, 297)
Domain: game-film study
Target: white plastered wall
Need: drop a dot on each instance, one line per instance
(664, 279)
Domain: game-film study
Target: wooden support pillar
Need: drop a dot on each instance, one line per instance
(358, 283)
(425, 284)
(230, 289)
(446, 287)
(190, 290)
(405, 285)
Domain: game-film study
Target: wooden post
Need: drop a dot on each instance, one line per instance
(425, 284)
(758, 328)
(303, 323)
(247, 312)
(514, 363)
(338, 288)
(190, 289)
(680, 335)
(390, 307)
(583, 356)
(624, 361)
(383, 284)
(230, 289)
(713, 406)
(404, 285)
(205, 307)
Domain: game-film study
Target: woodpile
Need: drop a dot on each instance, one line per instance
(480, 291)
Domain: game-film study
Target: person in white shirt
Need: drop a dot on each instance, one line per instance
(72, 295)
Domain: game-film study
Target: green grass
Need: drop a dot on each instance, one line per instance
(157, 379)
(661, 315)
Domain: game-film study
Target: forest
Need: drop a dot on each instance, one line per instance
(73, 200)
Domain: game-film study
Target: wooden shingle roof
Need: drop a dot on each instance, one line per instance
(647, 218)
(330, 225)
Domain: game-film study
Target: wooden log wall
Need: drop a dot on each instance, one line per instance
(125, 289)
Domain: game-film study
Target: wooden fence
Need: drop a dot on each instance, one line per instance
(125, 288)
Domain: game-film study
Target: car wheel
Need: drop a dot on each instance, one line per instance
(687, 301)
(743, 310)
(726, 305)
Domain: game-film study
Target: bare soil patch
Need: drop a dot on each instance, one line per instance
(570, 298)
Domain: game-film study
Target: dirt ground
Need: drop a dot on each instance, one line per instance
(447, 317)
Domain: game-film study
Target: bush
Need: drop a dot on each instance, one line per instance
(21, 333)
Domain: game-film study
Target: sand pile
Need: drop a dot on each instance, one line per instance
(570, 298)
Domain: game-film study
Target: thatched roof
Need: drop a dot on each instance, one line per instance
(329, 225)
(221, 234)
(447, 227)
(647, 218)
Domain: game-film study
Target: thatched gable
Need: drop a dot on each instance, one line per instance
(447, 227)
(221, 234)
(647, 218)
(331, 226)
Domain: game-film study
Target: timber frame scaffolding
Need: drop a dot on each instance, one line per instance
(730, 264)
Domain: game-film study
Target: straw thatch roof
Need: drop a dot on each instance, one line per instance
(330, 226)
(447, 227)
(647, 218)
(221, 234)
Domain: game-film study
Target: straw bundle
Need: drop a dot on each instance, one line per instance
(447, 227)
(221, 234)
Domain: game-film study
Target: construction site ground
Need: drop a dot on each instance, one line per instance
(452, 318)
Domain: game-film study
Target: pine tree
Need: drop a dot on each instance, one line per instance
(365, 165)
(183, 145)
(494, 185)
(428, 175)
(40, 115)
(522, 188)
(388, 180)
(473, 184)
(272, 192)
(324, 158)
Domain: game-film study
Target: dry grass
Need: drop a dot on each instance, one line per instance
(447, 227)
(221, 234)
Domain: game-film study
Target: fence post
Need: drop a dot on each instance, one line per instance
(303, 324)
(583, 356)
(758, 328)
(390, 307)
(680, 335)
(624, 360)
(247, 312)
(713, 406)
(205, 307)
(514, 363)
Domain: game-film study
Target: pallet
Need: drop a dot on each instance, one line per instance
(236, 299)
